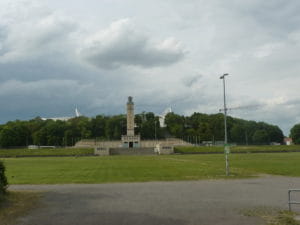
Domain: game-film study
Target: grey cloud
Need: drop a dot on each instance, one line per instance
(31, 38)
(286, 17)
(39, 98)
(123, 45)
(45, 59)
(47, 98)
(190, 81)
(284, 117)
(44, 68)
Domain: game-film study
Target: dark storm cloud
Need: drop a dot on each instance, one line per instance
(286, 17)
(123, 45)
(189, 81)
(46, 57)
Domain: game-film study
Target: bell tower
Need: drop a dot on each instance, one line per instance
(130, 140)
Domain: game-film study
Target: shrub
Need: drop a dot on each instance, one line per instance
(295, 134)
(3, 180)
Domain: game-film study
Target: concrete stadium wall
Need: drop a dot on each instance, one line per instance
(132, 151)
(91, 143)
(101, 151)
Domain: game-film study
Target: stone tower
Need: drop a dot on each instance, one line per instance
(130, 140)
(130, 117)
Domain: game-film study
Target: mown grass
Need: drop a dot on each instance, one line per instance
(109, 169)
(46, 152)
(237, 149)
(16, 204)
(272, 216)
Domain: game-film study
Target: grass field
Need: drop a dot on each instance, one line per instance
(272, 216)
(183, 150)
(146, 168)
(16, 204)
(238, 149)
(46, 152)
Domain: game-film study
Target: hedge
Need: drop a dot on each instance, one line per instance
(3, 180)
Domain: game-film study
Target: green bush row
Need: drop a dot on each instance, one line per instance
(237, 149)
(46, 152)
(3, 180)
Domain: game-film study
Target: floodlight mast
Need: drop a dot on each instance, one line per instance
(225, 125)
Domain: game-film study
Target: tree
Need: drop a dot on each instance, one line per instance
(98, 126)
(175, 124)
(275, 134)
(7, 137)
(260, 137)
(3, 180)
(198, 126)
(205, 132)
(147, 125)
(217, 126)
(114, 127)
(237, 134)
(295, 133)
(40, 137)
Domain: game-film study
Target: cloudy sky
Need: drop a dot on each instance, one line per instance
(56, 55)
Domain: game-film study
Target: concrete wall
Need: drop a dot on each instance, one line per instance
(160, 150)
(132, 151)
(91, 143)
(166, 150)
(101, 151)
(165, 142)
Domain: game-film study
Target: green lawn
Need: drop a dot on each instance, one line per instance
(237, 149)
(146, 168)
(184, 150)
(45, 152)
(17, 204)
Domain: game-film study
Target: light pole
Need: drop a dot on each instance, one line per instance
(155, 129)
(226, 147)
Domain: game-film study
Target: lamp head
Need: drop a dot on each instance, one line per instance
(225, 74)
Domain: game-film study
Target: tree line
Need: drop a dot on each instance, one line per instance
(210, 128)
(196, 128)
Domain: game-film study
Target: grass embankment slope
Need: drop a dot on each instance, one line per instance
(238, 149)
(147, 168)
(46, 152)
(183, 150)
(16, 204)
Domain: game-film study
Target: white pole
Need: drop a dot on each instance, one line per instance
(225, 126)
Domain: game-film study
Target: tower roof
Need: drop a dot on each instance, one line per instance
(130, 100)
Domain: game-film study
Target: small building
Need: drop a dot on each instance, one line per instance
(33, 147)
(288, 141)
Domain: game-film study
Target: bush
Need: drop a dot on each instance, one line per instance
(3, 180)
(295, 134)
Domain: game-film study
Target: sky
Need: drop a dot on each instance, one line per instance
(57, 55)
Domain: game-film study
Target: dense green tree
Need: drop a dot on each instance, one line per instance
(275, 134)
(114, 127)
(195, 128)
(98, 126)
(295, 134)
(147, 125)
(238, 134)
(3, 180)
(217, 126)
(175, 124)
(260, 137)
(15, 134)
(7, 137)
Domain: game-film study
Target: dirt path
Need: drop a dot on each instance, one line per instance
(208, 202)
